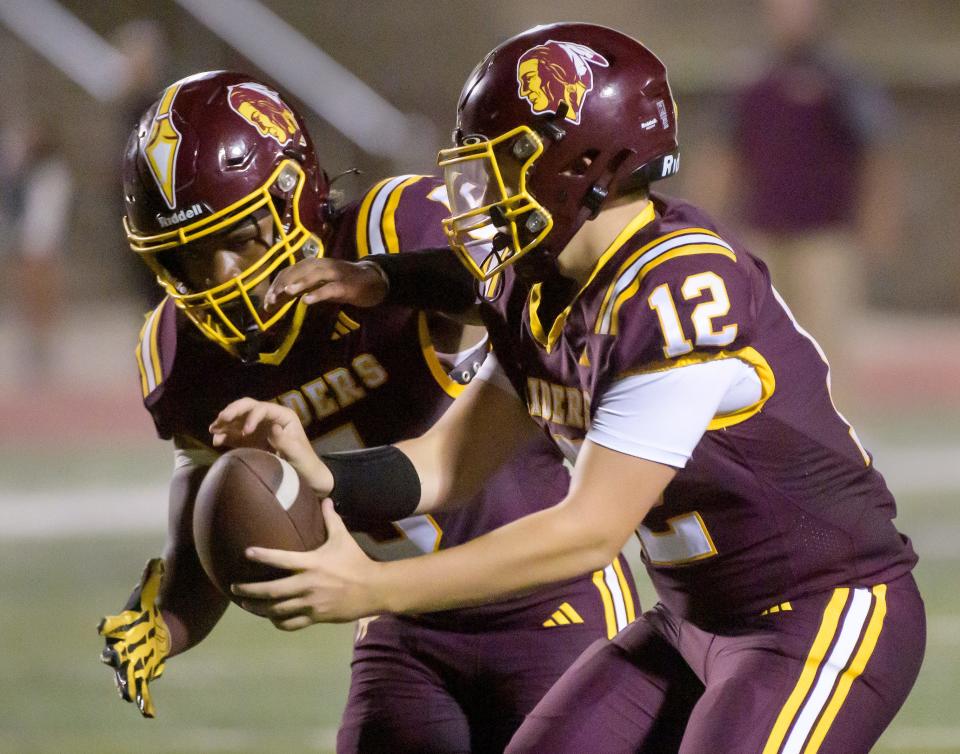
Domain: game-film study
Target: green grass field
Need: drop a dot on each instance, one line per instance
(67, 559)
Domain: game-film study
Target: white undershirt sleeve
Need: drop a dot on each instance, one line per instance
(491, 371)
(193, 457)
(661, 416)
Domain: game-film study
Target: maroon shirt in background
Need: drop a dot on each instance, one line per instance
(799, 133)
(381, 382)
(787, 498)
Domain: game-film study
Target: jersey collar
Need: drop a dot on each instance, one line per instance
(549, 339)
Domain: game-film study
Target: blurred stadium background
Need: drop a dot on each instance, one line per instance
(82, 479)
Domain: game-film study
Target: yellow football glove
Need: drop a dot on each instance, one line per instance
(137, 640)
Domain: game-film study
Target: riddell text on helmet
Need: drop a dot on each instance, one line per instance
(194, 210)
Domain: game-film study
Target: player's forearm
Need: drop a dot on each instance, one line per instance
(191, 605)
(542, 548)
(438, 481)
(482, 429)
(433, 279)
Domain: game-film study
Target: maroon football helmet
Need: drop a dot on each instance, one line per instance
(550, 125)
(219, 149)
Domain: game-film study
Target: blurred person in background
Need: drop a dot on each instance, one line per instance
(811, 177)
(36, 198)
(223, 194)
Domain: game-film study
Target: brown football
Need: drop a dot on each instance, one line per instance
(252, 498)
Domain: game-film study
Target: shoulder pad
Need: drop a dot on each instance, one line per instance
(639, 271)
(400, 214)
(685, 296)
(156, 346)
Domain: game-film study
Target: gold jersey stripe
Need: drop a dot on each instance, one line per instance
(626, 282)
(140, 365)
(609, 614)
(631, 290)
(625, 588)
(549, 340)
(376, 221)
(853, 671)
(762, 368)
(363, 242)
(450, 386)
(822, 642)
(388, 223)
(148, 353)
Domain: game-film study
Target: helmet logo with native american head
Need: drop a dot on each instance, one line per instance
(263, 108)
(556, 73)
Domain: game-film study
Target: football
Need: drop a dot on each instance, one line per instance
(250, 498)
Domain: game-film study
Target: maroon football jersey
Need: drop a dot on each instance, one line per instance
(779, 499)
(356, 377)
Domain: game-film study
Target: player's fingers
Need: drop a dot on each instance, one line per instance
(265, 412)
(114, 626)
(336, 292)
(292, 624)
(278, 589)
(144, 700)
(110, 656)
(233, 411)
(121, 685)
(278, 293)
(282, 608)
(291, 560)
(293, 281)
(152, 578)
(332, 520)
(158, 670)
(257, 607)
(254, 418)
(123, 679)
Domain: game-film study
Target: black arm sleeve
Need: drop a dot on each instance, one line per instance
(373, 485)
(433, 279)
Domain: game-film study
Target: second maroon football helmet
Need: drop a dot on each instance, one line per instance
(217, 149)
(550, 125)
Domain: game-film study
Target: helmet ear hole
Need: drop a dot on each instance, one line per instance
(580, 164)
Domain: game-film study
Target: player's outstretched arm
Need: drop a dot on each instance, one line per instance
(483, 428)
(331, 280)
(172, 608)
(609, 496)
(448, 463)
(190, 603)
(432, 279)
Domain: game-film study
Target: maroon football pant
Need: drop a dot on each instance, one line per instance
(465, 685)
(825, 673)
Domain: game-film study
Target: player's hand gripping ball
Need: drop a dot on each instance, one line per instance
(249, 498)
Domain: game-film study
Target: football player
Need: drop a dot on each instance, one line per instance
(223, 195)
(650, 346)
